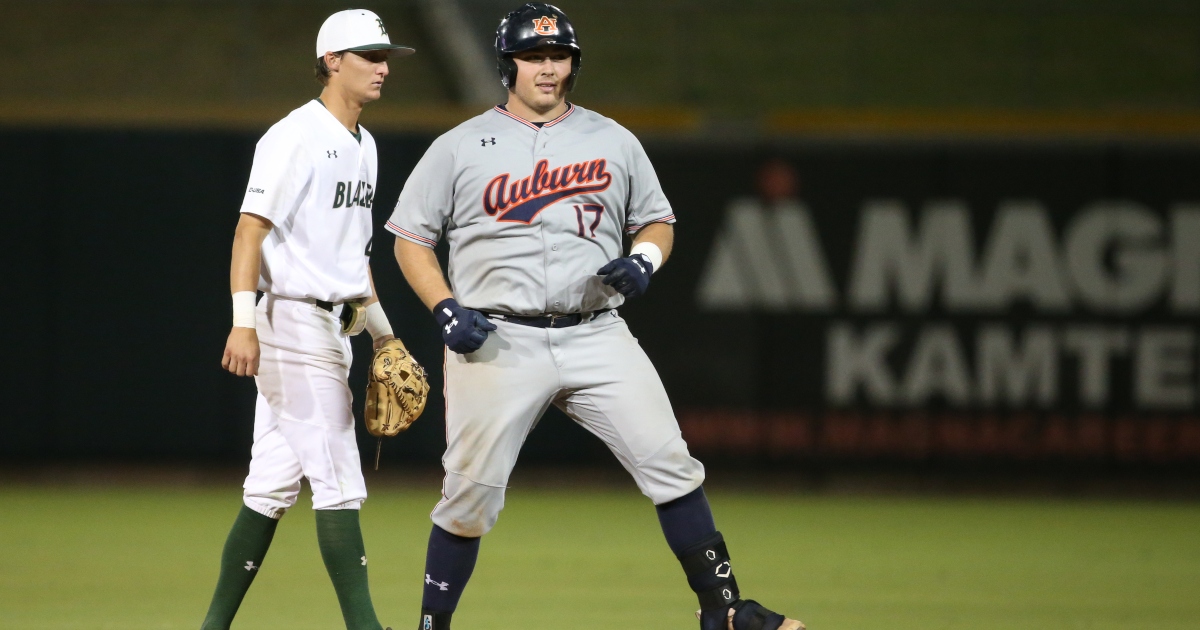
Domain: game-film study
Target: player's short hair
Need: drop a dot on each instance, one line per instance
(321, 71)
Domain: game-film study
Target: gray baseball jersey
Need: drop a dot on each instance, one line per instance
(531, 213)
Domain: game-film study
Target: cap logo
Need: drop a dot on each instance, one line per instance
(546, 25)
(382, 31)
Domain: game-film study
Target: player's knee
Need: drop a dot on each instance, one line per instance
(469, 509)
(670, 473)
(270, 507)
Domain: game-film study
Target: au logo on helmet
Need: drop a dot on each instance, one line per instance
(546, 25)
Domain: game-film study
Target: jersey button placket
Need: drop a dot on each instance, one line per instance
(541, 152)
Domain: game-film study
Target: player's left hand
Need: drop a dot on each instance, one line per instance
(378, 343)
(630, 275)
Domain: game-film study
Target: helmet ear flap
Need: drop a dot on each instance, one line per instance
(576, 61)
(508, 70)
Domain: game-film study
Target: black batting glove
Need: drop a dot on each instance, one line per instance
(463, 330)
(630, 275)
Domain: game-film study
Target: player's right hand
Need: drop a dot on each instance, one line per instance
(241, 352)
(630, 276)
(463, 330)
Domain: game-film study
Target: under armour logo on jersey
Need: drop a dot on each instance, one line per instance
(364, 561)
(442, 586)
(546, 25)
(382, 31)
(331, 154)
(250, 566)
(483, 142)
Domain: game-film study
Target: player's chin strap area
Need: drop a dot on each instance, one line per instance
(711, 576)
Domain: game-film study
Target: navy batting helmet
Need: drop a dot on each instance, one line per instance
(529, 26)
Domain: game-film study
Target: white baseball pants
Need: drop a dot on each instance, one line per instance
(303, 422)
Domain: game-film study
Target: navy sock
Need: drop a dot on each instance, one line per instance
(449, 562)
(686, 521)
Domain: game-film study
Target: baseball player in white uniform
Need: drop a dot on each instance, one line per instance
(535, 197)
(303, 240)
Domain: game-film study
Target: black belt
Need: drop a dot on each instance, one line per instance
(322, 304)
(548, 321)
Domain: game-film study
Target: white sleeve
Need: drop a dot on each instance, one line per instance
(427, 200)
(281, 170)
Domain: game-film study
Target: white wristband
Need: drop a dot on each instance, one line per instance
(651, 251)
(377, 321)
(243, 309)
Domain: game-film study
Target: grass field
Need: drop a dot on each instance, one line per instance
(146, 557)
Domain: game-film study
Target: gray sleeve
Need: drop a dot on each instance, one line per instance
(647, 203)
(428, 197)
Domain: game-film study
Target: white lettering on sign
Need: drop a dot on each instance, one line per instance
(1014, 366)
(1131, 236)
(1112, 257)
(1112, 260)
(890, 257)
(1164, 371)
(1094, 347)
(767, 259)
(1016, 373)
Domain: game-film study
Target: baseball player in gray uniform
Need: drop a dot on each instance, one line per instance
(303, 240)
(535, 198)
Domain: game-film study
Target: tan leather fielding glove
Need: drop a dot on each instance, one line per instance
(396, 391)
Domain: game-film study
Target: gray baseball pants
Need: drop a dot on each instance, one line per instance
(595, 372)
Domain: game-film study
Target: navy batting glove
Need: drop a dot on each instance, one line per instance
(463, 330)
(630, 275)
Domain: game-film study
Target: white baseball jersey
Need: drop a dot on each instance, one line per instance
(315, 182)
(531, 212)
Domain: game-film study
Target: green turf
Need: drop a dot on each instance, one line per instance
(135, 558)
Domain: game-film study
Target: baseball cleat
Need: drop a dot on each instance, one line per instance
(759, 618)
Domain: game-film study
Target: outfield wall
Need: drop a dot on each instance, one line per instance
(907, 302)
(940, 303)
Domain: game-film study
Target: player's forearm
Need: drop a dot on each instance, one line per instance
(247, 252)
(661, 235)
(374, 297)
(421, 269)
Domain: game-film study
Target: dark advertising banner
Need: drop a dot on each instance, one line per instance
(825, 303)
(931, 303)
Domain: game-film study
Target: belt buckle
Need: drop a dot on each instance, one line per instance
(553, 318)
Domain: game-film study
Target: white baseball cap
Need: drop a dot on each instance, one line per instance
(356, 29)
